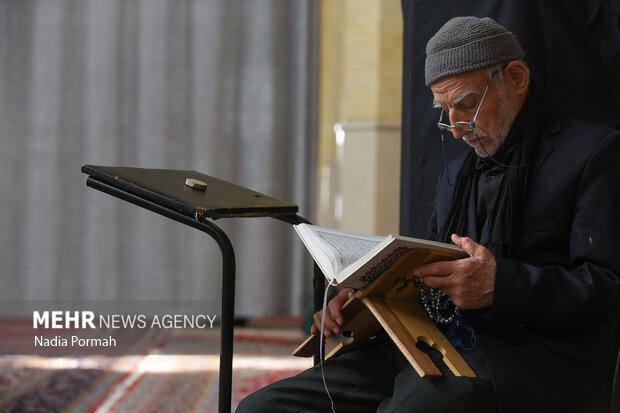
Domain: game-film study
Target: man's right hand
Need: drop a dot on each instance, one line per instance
(333, 315)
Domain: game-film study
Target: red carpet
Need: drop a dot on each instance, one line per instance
(177, 374)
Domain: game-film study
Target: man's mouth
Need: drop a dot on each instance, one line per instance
(471, 140)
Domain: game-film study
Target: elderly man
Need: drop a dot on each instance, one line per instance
(536, 206)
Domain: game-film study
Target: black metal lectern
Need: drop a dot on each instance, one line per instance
(166, 193)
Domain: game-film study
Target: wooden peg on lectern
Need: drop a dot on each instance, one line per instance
(196, 184)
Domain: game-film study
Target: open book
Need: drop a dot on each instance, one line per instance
(391, 302)
(354, 260)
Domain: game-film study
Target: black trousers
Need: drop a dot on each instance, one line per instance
(376, 377)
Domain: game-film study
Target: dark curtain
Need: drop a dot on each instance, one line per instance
(572, 48)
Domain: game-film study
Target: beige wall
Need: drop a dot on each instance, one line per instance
(360, 90)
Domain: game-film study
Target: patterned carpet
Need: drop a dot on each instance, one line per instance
(178, 374)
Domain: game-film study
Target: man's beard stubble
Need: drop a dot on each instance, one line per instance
(491, 141)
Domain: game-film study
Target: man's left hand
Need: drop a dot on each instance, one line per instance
(469, 282)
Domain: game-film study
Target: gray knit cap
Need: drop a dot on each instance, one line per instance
(465, 44)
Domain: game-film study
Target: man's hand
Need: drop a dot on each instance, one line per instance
(469, 282)
(333, 316)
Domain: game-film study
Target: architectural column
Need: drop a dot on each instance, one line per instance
(360, 112)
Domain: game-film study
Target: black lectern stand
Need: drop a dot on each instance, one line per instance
(166, 193)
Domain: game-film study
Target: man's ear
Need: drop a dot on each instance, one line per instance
(517, 77)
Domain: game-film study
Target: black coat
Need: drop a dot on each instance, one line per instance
(548, 338)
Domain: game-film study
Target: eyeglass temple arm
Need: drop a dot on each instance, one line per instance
(473, 122)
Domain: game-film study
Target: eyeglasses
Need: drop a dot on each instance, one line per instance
(465, 126)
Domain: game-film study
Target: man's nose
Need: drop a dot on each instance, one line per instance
(454, 117)
(458, 133)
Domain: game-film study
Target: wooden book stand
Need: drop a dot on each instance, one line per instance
(392, 303)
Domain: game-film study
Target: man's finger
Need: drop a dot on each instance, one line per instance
(330, 326)
(467, 244)
(327, 328)
(435, 268)
(335, 318)
(437, 281)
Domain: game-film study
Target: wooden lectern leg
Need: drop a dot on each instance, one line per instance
(358, 320)
(401, 336)
(361, 325)
(406, 323)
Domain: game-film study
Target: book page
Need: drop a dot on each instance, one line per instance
(349, 248)
(380, 258)
(355, 260)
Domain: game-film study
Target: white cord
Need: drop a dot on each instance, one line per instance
(321, 348)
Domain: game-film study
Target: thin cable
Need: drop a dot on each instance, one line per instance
(321, 347)
(445, 158)
(492, 158)
(454, 333)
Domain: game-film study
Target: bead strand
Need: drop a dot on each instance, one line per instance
(438, 305)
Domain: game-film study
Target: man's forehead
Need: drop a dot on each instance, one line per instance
(452, 89)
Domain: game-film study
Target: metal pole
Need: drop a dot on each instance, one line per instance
(228, 279)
